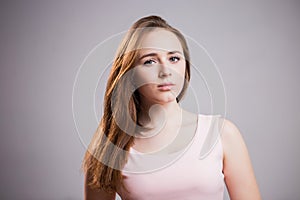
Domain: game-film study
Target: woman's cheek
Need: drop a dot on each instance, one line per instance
(179, 76)
(144, 75)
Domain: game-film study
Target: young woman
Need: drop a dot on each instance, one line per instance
(142, 117)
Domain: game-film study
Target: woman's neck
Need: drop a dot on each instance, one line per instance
(153, 115)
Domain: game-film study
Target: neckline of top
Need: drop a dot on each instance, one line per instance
(196, 133)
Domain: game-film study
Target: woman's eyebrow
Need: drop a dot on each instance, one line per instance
(173, 52)
(155, 54)
(147, 55)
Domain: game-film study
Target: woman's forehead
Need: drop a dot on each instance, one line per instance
(160, 39)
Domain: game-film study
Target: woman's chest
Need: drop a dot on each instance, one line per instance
(186, 175)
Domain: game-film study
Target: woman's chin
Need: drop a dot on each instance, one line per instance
(166, 98)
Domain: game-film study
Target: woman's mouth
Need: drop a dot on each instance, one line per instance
(165, 86)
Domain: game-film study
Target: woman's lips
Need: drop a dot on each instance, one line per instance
(165, 86)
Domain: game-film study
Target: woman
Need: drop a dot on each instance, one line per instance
(142, 117)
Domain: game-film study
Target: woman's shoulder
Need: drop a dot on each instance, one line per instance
(229, 130)
(227, 126)
(231, 136)
(224, 130)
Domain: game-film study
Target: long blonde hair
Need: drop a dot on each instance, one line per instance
(107, 175)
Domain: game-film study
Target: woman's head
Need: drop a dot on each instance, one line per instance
(158, 55)
(168, 52)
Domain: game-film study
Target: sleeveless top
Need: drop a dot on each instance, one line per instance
(190, 174)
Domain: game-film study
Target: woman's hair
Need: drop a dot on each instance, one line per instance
(108, 151)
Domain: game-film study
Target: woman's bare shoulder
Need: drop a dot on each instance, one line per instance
(229, 131)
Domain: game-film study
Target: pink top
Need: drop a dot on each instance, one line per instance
(193, 173)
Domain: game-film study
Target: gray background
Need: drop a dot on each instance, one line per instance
(255, 44)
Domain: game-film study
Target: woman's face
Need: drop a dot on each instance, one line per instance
(160, 67)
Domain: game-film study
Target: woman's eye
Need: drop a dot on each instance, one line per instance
(174, 59)
(149, 62)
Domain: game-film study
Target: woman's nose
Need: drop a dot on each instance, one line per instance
(164, 70)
